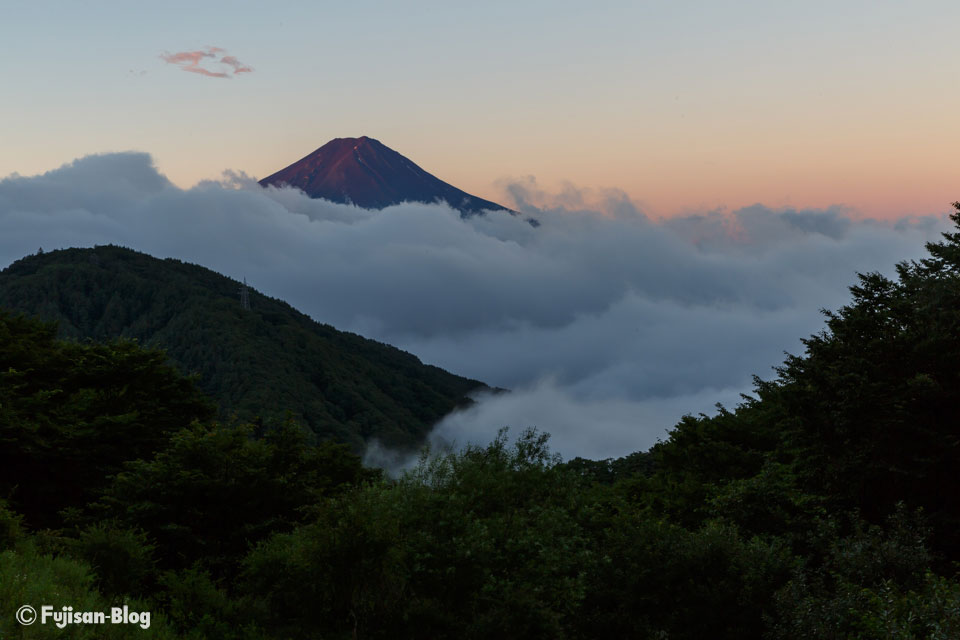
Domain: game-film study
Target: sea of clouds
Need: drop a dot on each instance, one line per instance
(607, 325)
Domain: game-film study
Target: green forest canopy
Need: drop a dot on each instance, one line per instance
(260, 362)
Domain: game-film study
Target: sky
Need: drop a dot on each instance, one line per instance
(708, 177)
(684, 105)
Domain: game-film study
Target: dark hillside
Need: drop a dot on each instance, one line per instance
(263, 361)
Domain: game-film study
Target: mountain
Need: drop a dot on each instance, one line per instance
(261, 361)
(369, 174)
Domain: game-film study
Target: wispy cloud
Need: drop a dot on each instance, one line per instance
(238, 67)
(207, 62)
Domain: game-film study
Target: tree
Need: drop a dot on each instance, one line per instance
(214, 490)
(71, 413)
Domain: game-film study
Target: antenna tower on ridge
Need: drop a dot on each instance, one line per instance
(244, 296)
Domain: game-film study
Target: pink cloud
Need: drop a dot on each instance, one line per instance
(207, 72)
(192, 58)
(195, 62)
(238, 67)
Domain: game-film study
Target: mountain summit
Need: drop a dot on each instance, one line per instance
(369, 174)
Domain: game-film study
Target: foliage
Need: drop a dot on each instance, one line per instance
(504, 542)
(612, 470)
(470, 544)
(873, 583)
(70, 414)
(11, 527)
(215, 489)
(122, 558)
(198, 608)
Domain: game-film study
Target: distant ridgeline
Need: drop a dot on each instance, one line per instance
(260, 362)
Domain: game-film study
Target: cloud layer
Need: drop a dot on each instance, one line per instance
(607, 326)
(208, 62)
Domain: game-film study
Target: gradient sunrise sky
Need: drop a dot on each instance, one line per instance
(684, 105)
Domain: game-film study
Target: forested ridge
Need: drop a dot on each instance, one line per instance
(823, 506)
(260, 362)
